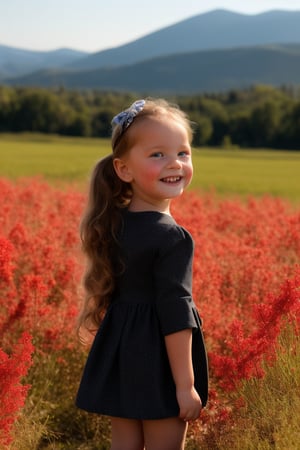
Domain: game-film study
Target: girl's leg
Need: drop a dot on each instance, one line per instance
(165, 434)
(126, 434)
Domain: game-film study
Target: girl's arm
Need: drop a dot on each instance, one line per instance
(179, 349)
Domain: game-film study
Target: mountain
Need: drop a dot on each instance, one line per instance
(208, 70)
(16, 61)
(213, 30)
(212, 51)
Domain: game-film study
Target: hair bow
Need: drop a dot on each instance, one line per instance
(125, 118)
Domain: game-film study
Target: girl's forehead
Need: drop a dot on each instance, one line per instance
(158, 132)
(158, 123)
(154, 133)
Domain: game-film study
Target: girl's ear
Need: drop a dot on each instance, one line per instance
(122, 170)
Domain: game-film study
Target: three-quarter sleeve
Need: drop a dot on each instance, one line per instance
(173, 283)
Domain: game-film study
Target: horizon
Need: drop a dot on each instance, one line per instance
(79, 31)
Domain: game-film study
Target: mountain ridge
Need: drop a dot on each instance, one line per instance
(186, 73)
(212, 30)
(219, 29)
(16, 61)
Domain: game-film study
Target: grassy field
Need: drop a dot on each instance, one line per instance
(227, 172)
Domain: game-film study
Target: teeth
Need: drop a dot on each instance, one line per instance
(171, 179)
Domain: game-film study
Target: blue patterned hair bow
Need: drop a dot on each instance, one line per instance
(125, 118)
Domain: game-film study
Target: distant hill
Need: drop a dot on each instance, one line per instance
(217, 29)
(16, 61)
(214, 70)
(212, 51)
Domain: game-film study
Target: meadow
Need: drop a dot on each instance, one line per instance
(225, 171)
(243, 212)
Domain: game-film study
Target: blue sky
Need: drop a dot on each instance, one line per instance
(93, 25)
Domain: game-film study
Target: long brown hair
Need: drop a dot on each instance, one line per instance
(101, 222)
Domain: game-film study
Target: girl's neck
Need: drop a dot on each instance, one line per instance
(138, 205)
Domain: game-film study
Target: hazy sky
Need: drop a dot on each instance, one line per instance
(93, 25)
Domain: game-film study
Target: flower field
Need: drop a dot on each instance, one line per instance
(246, 287)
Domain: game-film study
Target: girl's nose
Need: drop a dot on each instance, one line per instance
(174, 163)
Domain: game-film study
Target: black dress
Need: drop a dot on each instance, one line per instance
(127, 373)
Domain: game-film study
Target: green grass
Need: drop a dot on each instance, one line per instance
(54, 157)
(227, 172)
(248, 172)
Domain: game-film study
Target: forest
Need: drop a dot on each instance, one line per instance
(258, 117)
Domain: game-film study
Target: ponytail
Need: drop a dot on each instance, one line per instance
(99, 236)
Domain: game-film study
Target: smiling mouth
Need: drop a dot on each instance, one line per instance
(171, 179)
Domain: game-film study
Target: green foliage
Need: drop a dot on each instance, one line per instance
(261, 116)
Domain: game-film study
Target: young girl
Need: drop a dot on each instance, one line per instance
(147, 366)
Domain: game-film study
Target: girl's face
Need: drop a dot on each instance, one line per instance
(159, 165)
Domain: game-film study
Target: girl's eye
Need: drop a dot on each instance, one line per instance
(184, 153)
(156, 155)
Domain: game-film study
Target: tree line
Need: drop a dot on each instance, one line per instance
(261, 116)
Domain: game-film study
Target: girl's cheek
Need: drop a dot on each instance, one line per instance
(152, 171)
(189, 173)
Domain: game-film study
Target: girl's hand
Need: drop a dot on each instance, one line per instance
(189, 403)
(179, 349)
